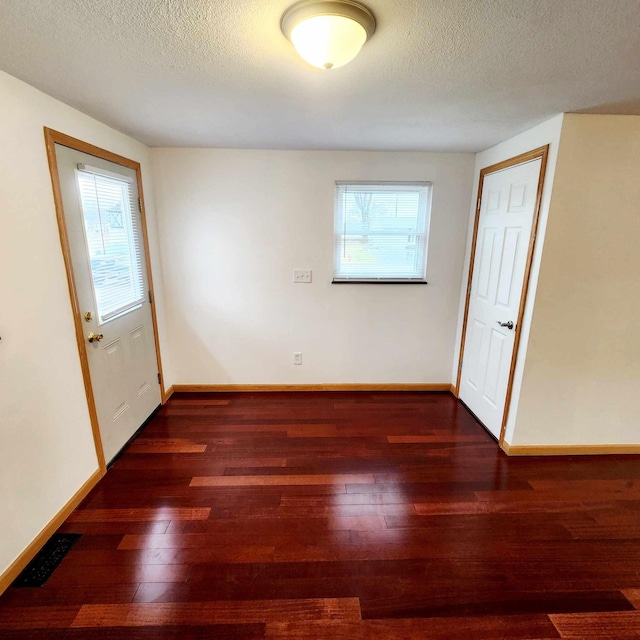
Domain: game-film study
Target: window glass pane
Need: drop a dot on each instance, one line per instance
(381, 231)
(112, 236)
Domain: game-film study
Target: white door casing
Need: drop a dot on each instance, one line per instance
(508, 208)
(123, 362)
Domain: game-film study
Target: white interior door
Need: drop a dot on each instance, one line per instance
(507, 210)
(104, 229)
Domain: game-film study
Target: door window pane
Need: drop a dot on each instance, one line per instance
(113, 243)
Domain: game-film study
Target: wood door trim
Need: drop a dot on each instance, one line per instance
(541, 153)
(544, 154)
(152, 302)
(52, 138)
(243, 388)
(16, 567)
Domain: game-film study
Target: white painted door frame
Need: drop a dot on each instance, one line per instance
(51, 139)
(542, 154)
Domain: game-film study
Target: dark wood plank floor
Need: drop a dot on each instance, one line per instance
(341, 516)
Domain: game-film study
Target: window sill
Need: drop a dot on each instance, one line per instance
(379, 282)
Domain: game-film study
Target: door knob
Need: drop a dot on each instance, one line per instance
(509, 324)
(95, 337)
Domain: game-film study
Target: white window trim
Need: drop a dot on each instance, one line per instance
(339, 279)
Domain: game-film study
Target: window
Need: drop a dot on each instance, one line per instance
(381, 231)
(113, 240)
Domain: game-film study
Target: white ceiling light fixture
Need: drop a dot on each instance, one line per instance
(329, 33)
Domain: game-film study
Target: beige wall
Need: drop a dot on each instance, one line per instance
(582, 372)
(235, 223)
(46, 446)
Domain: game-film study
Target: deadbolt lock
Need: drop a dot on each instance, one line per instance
(88, 316)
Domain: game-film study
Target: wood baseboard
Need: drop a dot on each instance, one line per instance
(571, 449)
(14, 569)
(209, 388)
(167, 394)
(454, 390)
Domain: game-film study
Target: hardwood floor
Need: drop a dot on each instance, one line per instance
(335, 516)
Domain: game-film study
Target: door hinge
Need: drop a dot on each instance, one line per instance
(150, 297)
(159, 378)
(469, 289)
(479, 202)
(460, 365)
(140, 205)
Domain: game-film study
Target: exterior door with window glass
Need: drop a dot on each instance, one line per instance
(102, 216)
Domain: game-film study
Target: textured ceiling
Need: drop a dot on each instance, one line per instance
(455, 75)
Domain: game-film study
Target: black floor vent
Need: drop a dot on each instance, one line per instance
(39, 570)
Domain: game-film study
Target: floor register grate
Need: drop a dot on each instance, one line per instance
(39, 570)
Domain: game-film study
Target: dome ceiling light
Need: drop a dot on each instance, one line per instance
(330, 33)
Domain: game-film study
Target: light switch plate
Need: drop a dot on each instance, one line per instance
(302, 275)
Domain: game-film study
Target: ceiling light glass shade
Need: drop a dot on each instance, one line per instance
(328, 41)
(328, 34)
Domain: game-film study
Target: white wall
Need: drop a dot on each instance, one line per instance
(582, 374)
(235, 223)
(46, 446)
(545, 133)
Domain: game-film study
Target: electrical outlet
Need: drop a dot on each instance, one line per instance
(297, 357)
(302, 275)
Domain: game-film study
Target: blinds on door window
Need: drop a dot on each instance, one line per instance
(112, 233)
(381, 231)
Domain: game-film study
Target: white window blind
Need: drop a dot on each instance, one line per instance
(381, 231)
(113, 237)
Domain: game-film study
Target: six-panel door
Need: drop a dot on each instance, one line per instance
(504, 230)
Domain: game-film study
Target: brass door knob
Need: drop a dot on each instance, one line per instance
(95, 337)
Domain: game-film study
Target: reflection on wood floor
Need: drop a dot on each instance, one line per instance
(341, 516)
